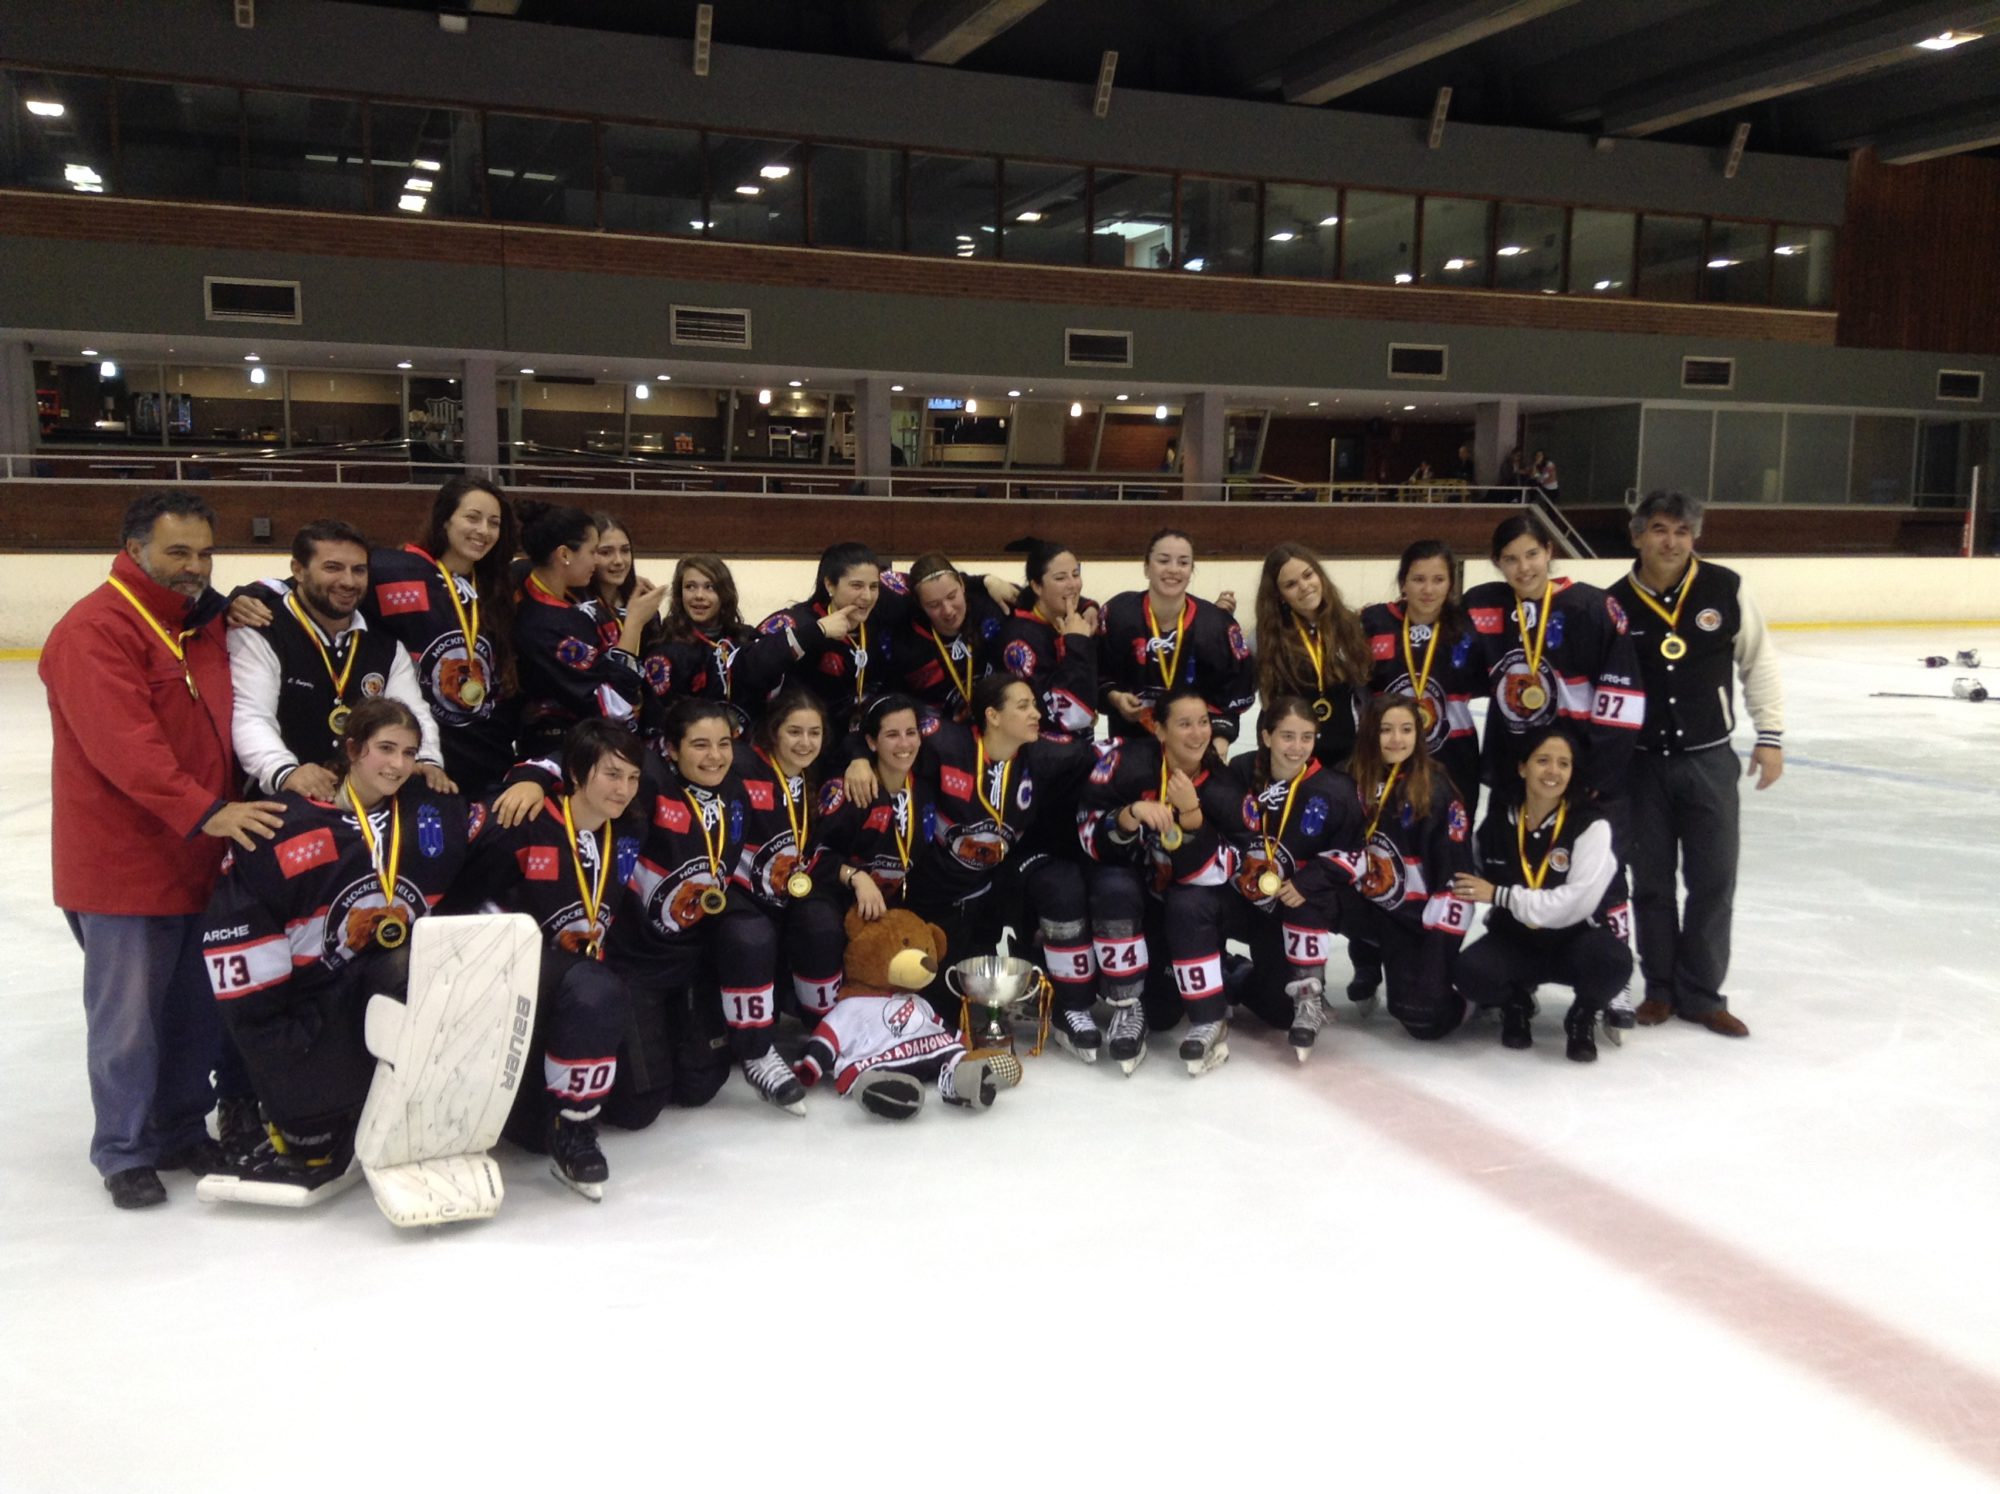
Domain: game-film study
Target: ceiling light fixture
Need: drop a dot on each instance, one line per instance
(1944, 41)
(1723, 264)
(642, 391)
(1329, 220)
(418, 184)
(1075, 409)
(422, 165)
(528, 371)
(1788, 250)
(410, 202)
(1508, 251)
(1197, 265)
(763, 396)
(663, 378)
(406, 364)
(972, 407)
(1283, 236)
(252, 358)
(1458, 264)
(257, 375)
(1123, 397)
(1404, 277)
(74, 173)
(1013, 394)
(92, 352)
(1159, 412)
(1312, 404)
(895, 388)
(774, 173)
(696, 224)
(798, 383)
(749, 189)
(1030, 216)
(46, 108)
(107, 369)
(1409, 407)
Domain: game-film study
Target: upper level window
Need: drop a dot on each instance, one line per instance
(1670, 259)
(1802, 267)
(1528, 247)
(1738, 267)
(1133, 220)
(304, 152)
(180, 140)
(756, 189)
(954, 204)
(541, 170)
(652, 179)
(56, 132)
(1455, 250)
(857, 197)
(1301, 230)
(1380, 232)
(1600, 252)
(1218, 225)
(1044, 207)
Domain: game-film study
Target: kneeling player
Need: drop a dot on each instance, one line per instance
(566, 869)
(304, 928)
(1550, 871)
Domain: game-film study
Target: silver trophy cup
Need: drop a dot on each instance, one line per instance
(993, 988)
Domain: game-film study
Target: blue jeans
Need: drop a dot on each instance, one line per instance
(153, 1035)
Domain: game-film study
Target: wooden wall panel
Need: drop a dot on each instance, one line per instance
(1919, 258)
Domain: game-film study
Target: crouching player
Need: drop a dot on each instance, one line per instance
(565, 868)
(303, 929)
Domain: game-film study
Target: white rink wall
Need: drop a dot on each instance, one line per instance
(35, 589)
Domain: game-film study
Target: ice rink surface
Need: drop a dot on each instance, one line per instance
(1697, 1264)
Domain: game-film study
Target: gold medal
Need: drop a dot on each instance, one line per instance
(394, 928)
(1673, 646)
(471, 692)
(713, 900)
(592, 898)
(798, 884)
(1269, 883)
(1171, 837)
(1534, 697)
(391, 932)
(1323, 709)
(337, 717)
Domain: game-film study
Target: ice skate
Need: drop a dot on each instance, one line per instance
(285, 1172)
(889, 1094)
(976, 1082)
(775, 1082)
(239, 1127)
(1205, 1046)
(1308, 995)
(1076, 1032)
(1620, 1016)
(1126, 1040)
(575, 1160)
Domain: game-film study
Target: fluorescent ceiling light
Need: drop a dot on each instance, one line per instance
(749, 189)
(418, 184)
(1404, 278)
(46, 108)
(798, 383)
(1409, 407)
(1723, 264)
(1197, 264)
(409, 202)
(323, 160)
(1789, 249)
(774, 173)
(1312, 404)
(252, 358)
(527, 370)
(422, 165)
(92, 352)
(1458, 264)
(642, 391)
(763, 396)
(88, 186)
(696, 224)
(1329, 220)
(895, 388)
(537, 176)
(664, 378)
(107, 369)
(1508, 251)
(1013, 394)
(1123, 397)
(1127, 230)
(499, 171)
(76, 173)
(1603, 285)
(406, 364)
(1944, 41)
(1283, 236)
(1031, 216)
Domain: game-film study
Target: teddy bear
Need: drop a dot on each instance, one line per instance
(882, 1039)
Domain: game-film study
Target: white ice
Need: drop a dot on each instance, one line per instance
(1699, 1263)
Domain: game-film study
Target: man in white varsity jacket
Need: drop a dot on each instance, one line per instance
(1695, 630)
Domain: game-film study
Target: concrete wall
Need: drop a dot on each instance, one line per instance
(34, 590)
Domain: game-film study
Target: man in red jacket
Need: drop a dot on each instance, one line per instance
(138, 681)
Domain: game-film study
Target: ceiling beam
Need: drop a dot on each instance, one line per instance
(1793, 62)
(948, 30)
(1943, 135)
(1405, 37)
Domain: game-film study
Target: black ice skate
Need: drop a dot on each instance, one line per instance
(775, 1082)
(286, 1171)
(1205, 1047)
(575, 1159)
(1076, 1031)
(1308, 995)
(1126, 1041)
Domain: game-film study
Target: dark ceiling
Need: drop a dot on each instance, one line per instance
(1810, 77)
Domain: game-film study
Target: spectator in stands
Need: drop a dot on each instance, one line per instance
(1542, 473)
(1464, 469)
(1423, 473)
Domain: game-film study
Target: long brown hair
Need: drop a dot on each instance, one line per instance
(679, 628)
(491, 582)
(1416, 783)
(1283, 665)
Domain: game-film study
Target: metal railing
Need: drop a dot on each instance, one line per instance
(930, 484)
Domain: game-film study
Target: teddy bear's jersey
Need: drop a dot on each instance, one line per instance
(867, 1032)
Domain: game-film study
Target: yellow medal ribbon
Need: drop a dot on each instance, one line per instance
(713, 899)
(1284, 819)
(1420, 680)
(861, 664)
(339, 676)
(175, 646)
(962, 686)
(1672, 645)
(800, 883)
(469, 627)
(979, 784)
(385, 876)
(1536, 874)
(1170, 666)
(1534, 655)
(1313, 652)
(1382, 803)
(592, 900)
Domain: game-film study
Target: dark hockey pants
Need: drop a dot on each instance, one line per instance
(1418, 964)
(1507, 963)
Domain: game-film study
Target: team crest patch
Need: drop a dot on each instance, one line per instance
(881, 819)
(475, 820)
(956, 782)
(539, 863)
(1382, 646)
(372, 685)
(777, 622)
(1252, 820)
(736, 819)
(304, 852)
(1456, 823)
(1106, 764)
(897, 582)
(1617, 613)
(928, 721)
(399, 597)
(990, 629)
(1708, 619)
(832, 796)
(672, 814)
(430, 831)
(1461, 651)
(576, 653)
(763, 794)
(1487, 619)
(1559, 860)
(1557, 621)
(1314, 818)
(659, 673)
(929, 826)
(1019, 658)
(1237, 647)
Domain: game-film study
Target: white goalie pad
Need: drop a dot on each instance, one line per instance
(453, 1057)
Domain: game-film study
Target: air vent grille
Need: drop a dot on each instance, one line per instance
(1708, 373)
(1415, 360)
(226, 298)
(710, 327)
(1087, 348)
(1964, 384)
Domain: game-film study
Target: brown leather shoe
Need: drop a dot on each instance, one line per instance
(1721, 1020)
(1653, 1011)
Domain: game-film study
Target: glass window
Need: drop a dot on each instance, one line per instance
(225, 406)
(1884, 459)
(1669, 257)
(562, 422)
(79, 403)
(1381, 230)
(541, 170)
(1527, 247)
(1133, 220)
(415, 149)
(56, 132)
(677, 420)
(652, 179)
(857, 198)
(304, 152)
(1600, 252)
(1816, 458)
(1748, 447)
(1042, 221)
(1674, 450)
(436, 416)
(346, 408)
(1739, 262)
(1301, 230)
(180, 140)
(1218, 225)
(952, 205)
(1803, 267)
(1455, 240)
(756, 190)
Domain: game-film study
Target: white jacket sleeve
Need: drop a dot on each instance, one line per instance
(1757, 663)
(255, 676)
(1592, 865)
(403, 686)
